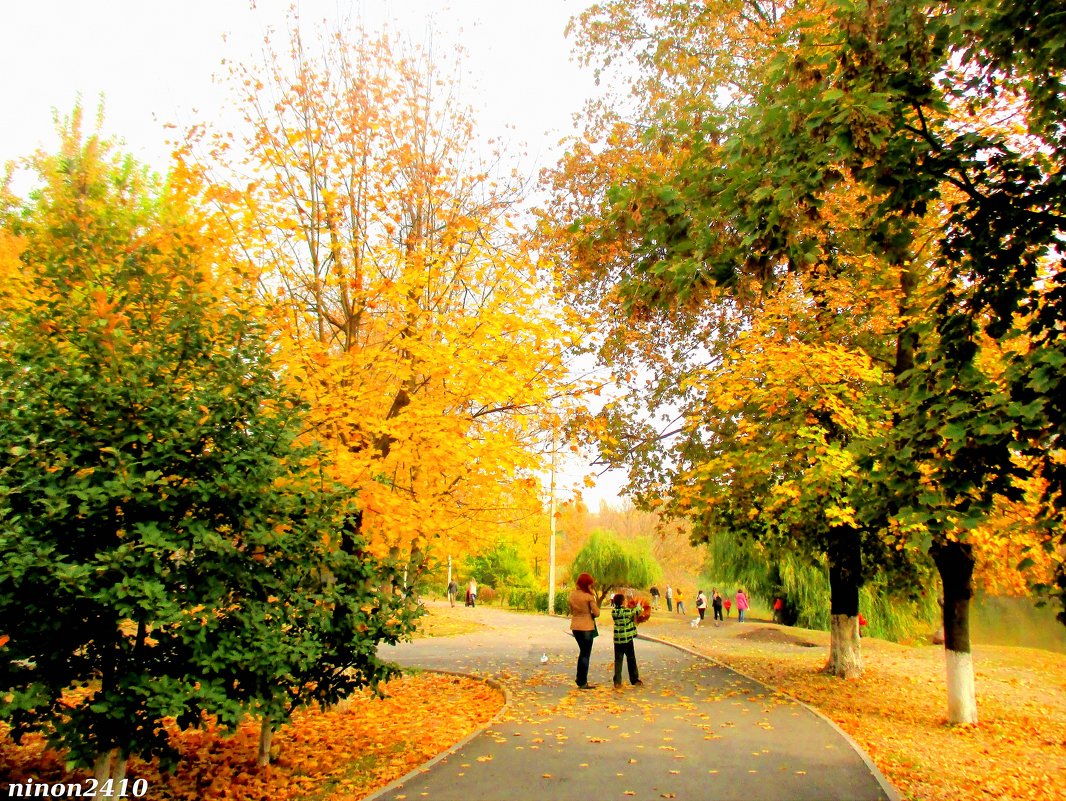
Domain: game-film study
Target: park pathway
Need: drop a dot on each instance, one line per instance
(695, 731)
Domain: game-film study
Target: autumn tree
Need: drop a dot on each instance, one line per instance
(755, 357)
(904, 99)
(169, 548)
(414, 320)
(887, 107)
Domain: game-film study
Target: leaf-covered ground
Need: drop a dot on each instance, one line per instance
(343, 754)
(897, 711)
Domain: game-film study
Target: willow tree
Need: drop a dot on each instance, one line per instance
(616, 563)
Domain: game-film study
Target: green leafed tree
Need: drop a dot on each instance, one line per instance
(167, 548)
(921, 143)
(499, 567)
(938, 119)
(615, 563)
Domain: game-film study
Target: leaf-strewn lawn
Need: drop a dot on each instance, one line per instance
(896, 713)
(339, 755)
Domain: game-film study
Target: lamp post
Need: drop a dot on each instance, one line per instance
(551, 537)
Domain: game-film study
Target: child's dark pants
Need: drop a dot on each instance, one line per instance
(626, 650)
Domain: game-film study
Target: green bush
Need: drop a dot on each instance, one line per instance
(562, 604)
(527, 599)
(523, 598)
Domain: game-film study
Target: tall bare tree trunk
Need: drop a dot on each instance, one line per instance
(955, 561)
(118, 772)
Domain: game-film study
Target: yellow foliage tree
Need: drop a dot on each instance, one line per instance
(410, 313)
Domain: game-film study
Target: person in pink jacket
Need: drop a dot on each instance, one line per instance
(742, 604)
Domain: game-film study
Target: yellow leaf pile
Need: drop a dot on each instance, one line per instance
(347, 752)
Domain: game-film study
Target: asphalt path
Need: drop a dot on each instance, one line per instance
(696, 730)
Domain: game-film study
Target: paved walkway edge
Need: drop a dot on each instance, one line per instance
(447, 752)
(890, 791)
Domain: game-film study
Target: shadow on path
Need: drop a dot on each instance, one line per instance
(695, 730)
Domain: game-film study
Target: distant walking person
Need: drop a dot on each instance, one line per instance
(583, 613)
(453, 590)
(701, 604)
(680, 597)
(654, 597)
(728, 605)
(716, 604)
(471, 593)
(669, 598)
(625, 632)
(742, 604)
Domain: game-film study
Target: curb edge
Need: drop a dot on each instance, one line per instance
(396, 784)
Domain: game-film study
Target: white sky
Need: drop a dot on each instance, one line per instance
(155, 63)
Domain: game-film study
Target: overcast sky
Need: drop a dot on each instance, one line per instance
(155, 61)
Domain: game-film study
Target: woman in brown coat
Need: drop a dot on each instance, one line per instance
(583, 613)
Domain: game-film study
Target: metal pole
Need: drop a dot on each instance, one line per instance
(551, 538)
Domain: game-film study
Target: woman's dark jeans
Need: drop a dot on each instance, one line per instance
(584, 644)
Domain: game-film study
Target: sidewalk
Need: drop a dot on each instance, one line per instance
(695, 730)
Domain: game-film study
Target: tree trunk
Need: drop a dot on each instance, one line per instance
(110, 766)
(955, 562)
(118, 772)
(102, 767)
(845, 651)
(266, 737)
(845, 571)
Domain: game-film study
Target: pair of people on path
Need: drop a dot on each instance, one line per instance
(584, 609)
(471, 593)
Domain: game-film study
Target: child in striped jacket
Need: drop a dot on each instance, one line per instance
(625, 632)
